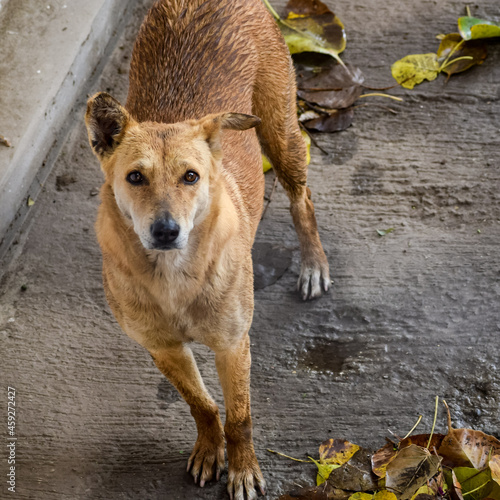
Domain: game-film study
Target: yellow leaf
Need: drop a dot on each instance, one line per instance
(266, 164)
(324, 471)
(414, 69)
(495, 468)
(360, 496)
(425, 490)
(31, 201)
(337, 451)
(384, 495)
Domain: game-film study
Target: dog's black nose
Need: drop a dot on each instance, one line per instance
(164, 231)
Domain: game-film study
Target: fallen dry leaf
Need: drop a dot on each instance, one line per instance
(467, 447)
(337, 120)
(323, 492)
(382, 457)
(328, 84)
(414, 69)
(356, 474)
(310, 26)
(454, 45)
(336, 451)
(409, 470)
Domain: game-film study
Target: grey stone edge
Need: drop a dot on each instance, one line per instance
(41, 151)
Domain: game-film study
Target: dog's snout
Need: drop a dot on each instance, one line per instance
(164, 232)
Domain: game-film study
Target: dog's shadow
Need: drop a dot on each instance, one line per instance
(270, 262)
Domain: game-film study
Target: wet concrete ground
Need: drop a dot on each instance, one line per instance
(412, 315)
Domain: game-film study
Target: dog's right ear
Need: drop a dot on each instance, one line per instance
(106, 121)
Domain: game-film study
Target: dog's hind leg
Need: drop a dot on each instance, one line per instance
(179, 366)
(233, 366)
(282, 143)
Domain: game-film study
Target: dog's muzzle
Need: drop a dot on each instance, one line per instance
(164, 232)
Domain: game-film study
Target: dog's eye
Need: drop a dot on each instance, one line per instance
(191, 177)
(135, 177)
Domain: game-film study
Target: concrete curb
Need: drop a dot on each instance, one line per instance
(36, 103)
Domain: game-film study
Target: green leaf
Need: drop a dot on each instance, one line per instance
(472, 28)
(383, 232)
(454, 47)
(475, 484)
(311, 27)
(324, 471)
(414, 69)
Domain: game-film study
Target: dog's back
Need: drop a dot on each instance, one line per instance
(195, 57)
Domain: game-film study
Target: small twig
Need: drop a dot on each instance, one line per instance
(475, 489)
(467, 9)
(378, 94)
(453, 50)
(395, 435)
(450, 428)
(273, 190)
(271, 10)
(414, 427)
(313, 140)
(319, 109)
(445, 65)
(291, 458)
(433, 423)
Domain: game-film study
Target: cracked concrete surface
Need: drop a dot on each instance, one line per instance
(412, 315)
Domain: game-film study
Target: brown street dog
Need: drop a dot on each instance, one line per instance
(182, 198)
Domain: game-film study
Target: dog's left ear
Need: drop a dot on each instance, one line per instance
(106, 121)
(211, 126)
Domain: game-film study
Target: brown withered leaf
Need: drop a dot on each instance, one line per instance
(336, 451)
(454, 42)
(329, 84)
(337, 120)
(356, 474)
(467, 447)
(409, 470)
(323, 492)
(382, 457)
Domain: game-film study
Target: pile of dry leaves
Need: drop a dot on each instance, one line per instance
(463, 465)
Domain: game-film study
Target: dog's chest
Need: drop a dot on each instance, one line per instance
(172, 308)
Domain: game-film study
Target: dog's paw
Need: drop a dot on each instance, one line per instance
(205, 458)
(314, 279)
(245, 479)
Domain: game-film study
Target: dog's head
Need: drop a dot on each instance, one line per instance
(160, 174)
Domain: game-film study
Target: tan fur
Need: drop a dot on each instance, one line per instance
(200, 70)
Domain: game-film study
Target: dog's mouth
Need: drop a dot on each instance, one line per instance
(164, 246)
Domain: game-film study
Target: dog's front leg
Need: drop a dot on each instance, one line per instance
(233, 366)
(179, 366)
